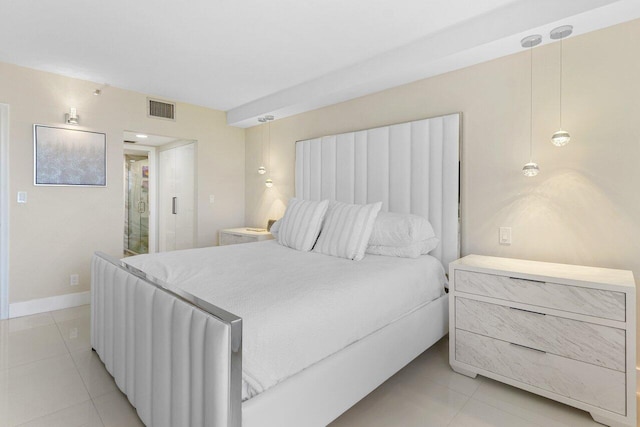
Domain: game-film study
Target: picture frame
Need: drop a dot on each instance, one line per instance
(64, 157)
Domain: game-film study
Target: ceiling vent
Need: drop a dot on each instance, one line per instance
(161, 109)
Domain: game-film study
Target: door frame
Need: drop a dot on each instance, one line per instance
(4, 211)
(153, 192)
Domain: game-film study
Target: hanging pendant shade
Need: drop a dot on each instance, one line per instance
(531, 169)
(560, 138)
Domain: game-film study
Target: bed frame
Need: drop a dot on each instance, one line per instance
(179, 358)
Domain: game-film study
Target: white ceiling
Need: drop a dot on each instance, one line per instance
(146, 139)
(251, 57)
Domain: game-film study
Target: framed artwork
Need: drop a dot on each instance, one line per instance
(69, 157)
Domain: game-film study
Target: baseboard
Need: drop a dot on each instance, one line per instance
(41, 305)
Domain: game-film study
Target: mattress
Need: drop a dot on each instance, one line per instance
(297, 307)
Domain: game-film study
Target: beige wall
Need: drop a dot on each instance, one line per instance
(55, 233)
(583, 208)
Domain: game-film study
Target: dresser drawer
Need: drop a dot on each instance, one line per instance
(232, 239)
(592, 302)
(594, 385)
(596, 344)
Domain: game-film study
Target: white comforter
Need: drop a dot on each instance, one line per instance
(297, 307)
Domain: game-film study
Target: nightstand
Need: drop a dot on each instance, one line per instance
(232, 236)
(565, 332)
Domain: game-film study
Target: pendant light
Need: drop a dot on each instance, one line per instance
(269, 183)
(531, 168)
(262, 170)
(561, 137)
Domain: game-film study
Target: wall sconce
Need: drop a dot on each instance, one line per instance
(72, 117)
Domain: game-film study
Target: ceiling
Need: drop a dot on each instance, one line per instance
(147, 140)
(281, 57)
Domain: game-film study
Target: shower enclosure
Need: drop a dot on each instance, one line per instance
(136, 233)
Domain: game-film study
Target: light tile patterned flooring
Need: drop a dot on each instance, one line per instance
(49, 377)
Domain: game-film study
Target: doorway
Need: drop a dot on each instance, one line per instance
(4, 211)
(159, 193)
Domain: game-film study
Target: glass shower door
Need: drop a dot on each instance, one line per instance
(137, 206)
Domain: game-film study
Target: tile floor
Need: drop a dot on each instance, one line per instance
(49, 377)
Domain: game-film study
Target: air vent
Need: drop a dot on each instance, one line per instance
(162, 110)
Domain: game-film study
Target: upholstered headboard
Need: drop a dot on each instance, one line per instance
(410, 167)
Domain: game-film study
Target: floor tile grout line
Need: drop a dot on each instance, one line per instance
(75, 365)
(36, 361)
(459, 410)
(512, 412)
(97, 412)
(54, 412)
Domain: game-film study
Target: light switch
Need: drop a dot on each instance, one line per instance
(505, 236)
(212, 199)
(22, 197)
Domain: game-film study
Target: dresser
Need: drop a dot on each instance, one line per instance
(565, 332)
(232, 236)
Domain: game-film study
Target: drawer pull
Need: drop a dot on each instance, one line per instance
(528, 348)
(527, 280)
(528, 311)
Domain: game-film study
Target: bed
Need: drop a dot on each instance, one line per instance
(263, 335)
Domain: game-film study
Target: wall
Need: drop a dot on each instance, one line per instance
(55, 233)
(583, 208)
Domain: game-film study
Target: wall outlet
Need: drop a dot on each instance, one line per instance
(73, 333)
(74, 280)
(212, 199)
(504, 237)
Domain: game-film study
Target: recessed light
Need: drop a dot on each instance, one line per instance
(141, 136)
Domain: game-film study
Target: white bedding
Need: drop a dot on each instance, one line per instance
(297, 307)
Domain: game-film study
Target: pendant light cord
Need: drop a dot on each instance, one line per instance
(531, 104)
(560, 84)
(262, 145)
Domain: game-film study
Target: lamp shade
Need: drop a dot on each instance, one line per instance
(560, 138)
(531, 169)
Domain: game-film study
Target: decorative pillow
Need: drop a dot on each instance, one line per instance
(346, 230)
(413, 250)
(300, 226)
(394, 229)
(275, 229)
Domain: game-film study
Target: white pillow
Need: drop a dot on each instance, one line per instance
(413, 250)
(275, 229)
(394, 229)
(346, 230)
(301, 224)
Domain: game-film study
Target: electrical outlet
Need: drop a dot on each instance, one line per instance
(212, 199)
(73, 333)
(504, 237)
(74, 280)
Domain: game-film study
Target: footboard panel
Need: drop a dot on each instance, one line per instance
(177, 358)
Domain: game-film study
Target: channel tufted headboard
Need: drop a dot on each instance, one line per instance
(410, 167)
